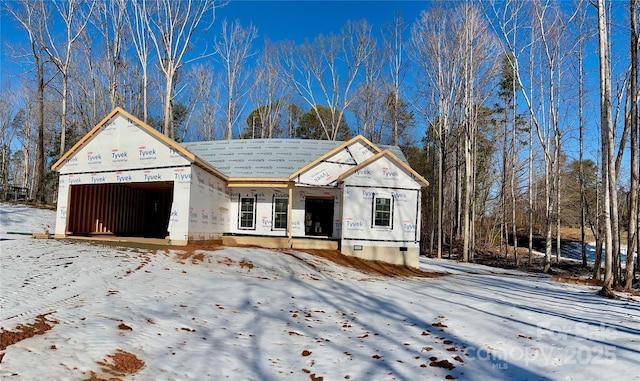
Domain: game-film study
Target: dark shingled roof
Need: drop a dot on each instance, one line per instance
(265, 158)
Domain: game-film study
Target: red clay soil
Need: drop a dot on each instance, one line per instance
(120, 364)
(25, 331)
(377, 268)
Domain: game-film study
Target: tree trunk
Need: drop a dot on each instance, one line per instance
(597, 262)
(583, 199)
(557, 213)
(440, 196)
(606, 123)
(633, 120)
(531, 124)
(167, 105)
(512, 186)
(38, 179)
(548, 215)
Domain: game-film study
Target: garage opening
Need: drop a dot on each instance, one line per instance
(129, 210)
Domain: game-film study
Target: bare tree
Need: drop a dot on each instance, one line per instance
(455, 54)
(555, 45)
(110, 21)
(606, 126)
(270, 94)
(479, 68)
(137, 20)
(7, 132)
(315, 71)
(393, 40)
(31, 15)
(172, 25)
(90, 95)
(633, 97)
(434, 52)
(369, 104)
(234, 50)
(206, 114)
(75, 21)
(506, 20)
(580, 68)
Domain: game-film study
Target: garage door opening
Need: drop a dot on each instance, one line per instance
(127, 210)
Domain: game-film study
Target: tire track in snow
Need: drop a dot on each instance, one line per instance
(63, 280)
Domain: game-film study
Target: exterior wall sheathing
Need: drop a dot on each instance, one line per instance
(107, 178)
(264, 210)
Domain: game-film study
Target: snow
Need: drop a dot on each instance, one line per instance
(250, 314)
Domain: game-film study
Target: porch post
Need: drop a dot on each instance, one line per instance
(290, 215)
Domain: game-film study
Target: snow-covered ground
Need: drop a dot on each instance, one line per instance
(245, 314)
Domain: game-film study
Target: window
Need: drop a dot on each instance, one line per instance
(280, 212)
(247, 213)
(382, 212)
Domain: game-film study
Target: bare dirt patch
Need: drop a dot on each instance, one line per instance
(377, 268)
(120, 364)
(94, 377)
(441, 364)
(190, 255)
(244, 264)
(25, 331)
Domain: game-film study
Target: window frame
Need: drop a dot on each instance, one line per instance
(241, 212)
(275, 212)
(375, 211)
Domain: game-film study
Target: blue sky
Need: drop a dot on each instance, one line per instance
(300, 20)
(297, 20)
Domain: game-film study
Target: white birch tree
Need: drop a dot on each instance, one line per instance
(75, 19)
(324, 71)
(172, 26)
(633, 97)
(606, 130)
(234, 49)
(270, 94)
(137, 21)
(398, 64)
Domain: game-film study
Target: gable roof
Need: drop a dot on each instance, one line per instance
(386, 153)
(150, 130)
(248, 159)
(337, 149)
(272, 159)
(260, 158)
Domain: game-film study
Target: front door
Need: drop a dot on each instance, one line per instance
(318, 216)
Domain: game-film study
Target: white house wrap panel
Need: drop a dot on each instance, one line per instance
(126, 179)
(208, 206)
(327, 171)
(121, 144)
(264, 220)
(359, 214)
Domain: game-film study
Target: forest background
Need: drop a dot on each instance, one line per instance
(522, 114)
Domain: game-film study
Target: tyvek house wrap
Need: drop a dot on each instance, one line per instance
(120, 151)
(381, 178)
